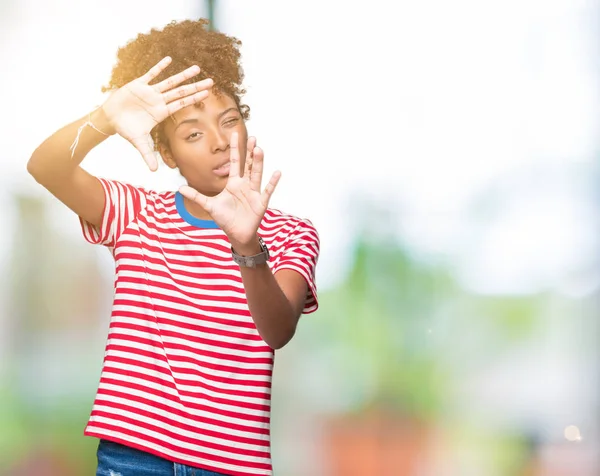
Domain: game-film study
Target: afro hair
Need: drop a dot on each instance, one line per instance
(188, 43)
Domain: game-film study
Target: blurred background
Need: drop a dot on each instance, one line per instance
(447, 152)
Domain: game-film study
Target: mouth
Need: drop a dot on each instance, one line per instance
(223, 169)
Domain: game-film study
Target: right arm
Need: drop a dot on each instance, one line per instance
(132, 112)
(52, 166)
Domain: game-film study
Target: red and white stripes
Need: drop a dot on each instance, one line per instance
(186, 375)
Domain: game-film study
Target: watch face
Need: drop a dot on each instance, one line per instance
(264, 247)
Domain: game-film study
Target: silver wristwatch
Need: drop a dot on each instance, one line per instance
(252, 261)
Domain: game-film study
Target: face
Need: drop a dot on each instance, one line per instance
(198, 142)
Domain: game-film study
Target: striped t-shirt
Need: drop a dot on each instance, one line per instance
(186, 376)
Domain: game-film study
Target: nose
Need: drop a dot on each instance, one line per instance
(220, 141)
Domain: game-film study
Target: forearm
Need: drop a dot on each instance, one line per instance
(273, 314)
(271, 310)
(54, 159)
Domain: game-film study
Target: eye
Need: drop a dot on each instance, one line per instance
(193, 136)
(231, 121)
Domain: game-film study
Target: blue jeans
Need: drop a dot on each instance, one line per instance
(115, 459)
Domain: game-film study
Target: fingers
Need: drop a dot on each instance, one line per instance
(156, 69)
(234, 155)
(188, 90)
(256, 171)
(175, 106)
(176, 79)
(195, 196)
(270, 188)
(145, 145)
(249, 152)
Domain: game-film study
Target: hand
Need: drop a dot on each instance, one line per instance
(240, 207)
(133, 110)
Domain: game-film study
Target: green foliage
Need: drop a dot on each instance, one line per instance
(515, 317)
(379, 320)
(54, 431)
(393, 319)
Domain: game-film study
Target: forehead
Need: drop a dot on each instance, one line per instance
(212, 106)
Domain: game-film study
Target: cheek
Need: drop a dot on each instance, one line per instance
(189, 156)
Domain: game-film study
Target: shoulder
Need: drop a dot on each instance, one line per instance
(286, 229)
(138, 199)
(163, 197)
(151, 196)
(275, 219)
(137, 188)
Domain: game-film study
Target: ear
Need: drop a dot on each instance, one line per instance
(167, 157)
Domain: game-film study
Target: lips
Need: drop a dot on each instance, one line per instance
(223, 170)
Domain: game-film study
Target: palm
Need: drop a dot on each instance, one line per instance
(240, 207)
(136, 108)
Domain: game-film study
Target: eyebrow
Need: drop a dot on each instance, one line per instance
(195, 120)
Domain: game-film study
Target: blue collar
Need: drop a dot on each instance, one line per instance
(188, 217)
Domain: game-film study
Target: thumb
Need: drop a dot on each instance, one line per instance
(145, 146)
(195, 196)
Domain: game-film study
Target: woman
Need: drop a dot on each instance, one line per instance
(209, 280)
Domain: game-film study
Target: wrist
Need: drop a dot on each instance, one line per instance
(100, 120)
(249, 248)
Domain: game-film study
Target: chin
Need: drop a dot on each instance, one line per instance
(210, 186)
(214, 191)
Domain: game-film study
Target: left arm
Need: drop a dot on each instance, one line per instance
(275, 301)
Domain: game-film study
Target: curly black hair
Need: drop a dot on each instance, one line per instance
(188, 43)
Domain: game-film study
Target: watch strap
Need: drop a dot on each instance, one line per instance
(252, 261)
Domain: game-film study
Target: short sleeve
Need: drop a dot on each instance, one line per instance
(122, 204)
(301, 253)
